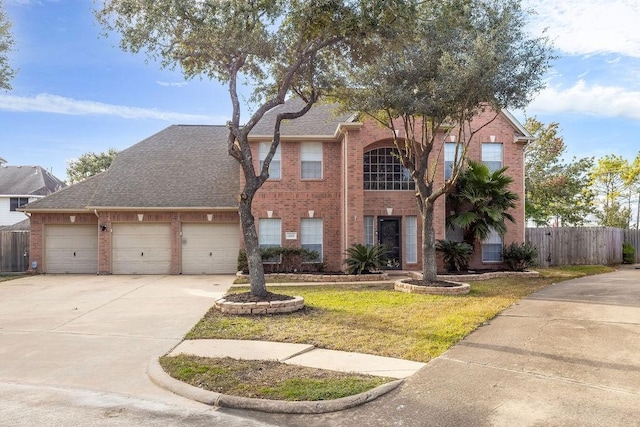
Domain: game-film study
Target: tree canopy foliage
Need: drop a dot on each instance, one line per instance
(556, 192)
(6, 46)
(609, 178)
(89, 164)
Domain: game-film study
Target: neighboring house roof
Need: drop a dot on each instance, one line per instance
(28, 181)
(74, 198)
(322, 120)
(24, 225)
(179, 167)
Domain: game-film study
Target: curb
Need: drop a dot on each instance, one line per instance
(160, 378)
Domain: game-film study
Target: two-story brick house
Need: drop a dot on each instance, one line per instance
(168, 205)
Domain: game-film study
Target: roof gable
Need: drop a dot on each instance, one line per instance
(322, 120)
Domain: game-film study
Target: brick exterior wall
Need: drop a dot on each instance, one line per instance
(341, 201)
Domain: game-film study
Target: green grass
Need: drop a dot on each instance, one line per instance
(375, 319)
(267, 379)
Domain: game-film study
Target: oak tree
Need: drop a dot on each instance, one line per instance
(455, 59)
(277, 48)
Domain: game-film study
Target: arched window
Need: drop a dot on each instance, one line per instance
(384, 171)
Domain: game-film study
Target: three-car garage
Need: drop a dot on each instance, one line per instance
(143, 248)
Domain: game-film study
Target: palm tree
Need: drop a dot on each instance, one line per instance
(481, 202)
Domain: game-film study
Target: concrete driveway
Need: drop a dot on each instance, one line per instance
(90, 338)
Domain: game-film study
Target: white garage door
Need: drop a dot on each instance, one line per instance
(141, 248)
(71, 248)
(210, 248)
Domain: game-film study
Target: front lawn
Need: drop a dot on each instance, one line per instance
(368, 318)
(375, 319)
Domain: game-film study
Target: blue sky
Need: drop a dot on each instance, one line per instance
(76, 91)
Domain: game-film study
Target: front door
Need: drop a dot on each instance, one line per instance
(389, 236)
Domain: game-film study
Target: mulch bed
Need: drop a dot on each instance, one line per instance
(247, 297)
(437, 284)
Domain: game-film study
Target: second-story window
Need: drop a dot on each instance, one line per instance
(311, 160)
(450, 157)
(17, 202)
(274, 167)
(384, 171)
(492, 155)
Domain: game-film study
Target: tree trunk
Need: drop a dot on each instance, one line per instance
(252, 246)
(429, 266)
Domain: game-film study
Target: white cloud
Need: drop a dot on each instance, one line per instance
(597, 100)
(47, 103)
(584, 27)
(171, 84)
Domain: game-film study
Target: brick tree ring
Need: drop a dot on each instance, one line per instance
(261, 307)
(453, 288)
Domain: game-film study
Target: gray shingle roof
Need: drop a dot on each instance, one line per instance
(28, 181)
(179, 167)
(321, 120)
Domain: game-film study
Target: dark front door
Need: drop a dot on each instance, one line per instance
(389, 236)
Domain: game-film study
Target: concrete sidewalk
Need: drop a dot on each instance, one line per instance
(301, 355)
(569, 355)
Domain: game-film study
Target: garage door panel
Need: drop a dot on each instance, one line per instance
(71, 249)
(210, 248)
(141, 248)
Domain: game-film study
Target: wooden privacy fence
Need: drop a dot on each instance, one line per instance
(581, 245)
(14, 251)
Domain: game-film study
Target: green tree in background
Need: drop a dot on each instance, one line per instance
(89, 164)
(608, 178)
(632, 181)
(6, 46)
(555, 191)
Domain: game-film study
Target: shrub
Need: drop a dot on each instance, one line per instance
(519, 257)
(363, 259)
(243, 264)
(456, 255)
(628, 253)
(283, 260)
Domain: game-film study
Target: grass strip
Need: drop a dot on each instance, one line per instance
(267, 379)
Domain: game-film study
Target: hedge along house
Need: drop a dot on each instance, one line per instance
(168, 205)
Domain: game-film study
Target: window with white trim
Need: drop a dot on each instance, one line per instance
(411, 239)
(450, 157)
(492, 247)
(274, 166)
(492, 155)
(369, 232)
(270, 232)
(383, 170)
(311, 160)
(311, 236)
